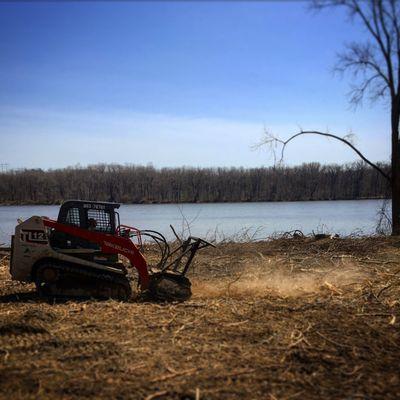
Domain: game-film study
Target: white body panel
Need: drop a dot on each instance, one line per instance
(31, 244)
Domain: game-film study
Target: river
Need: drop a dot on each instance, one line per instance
(239, 221)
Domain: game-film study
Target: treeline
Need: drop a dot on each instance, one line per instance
(146, 184)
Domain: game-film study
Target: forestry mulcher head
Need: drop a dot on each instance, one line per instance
(78, 256)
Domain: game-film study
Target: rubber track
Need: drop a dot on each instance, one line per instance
(100, 277)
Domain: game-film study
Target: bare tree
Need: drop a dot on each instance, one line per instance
(375, 67)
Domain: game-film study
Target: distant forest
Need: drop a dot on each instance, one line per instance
(146, 184)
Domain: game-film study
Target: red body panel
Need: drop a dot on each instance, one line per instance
(109, 244)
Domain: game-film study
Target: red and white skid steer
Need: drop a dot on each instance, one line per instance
(79, 256)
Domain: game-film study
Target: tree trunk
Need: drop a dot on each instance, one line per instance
(395, 175)
(395, 199)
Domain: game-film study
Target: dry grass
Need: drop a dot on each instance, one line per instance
(293, 318)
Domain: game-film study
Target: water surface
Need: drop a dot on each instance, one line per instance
(228, 219)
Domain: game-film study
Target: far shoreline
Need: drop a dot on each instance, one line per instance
(20, 204)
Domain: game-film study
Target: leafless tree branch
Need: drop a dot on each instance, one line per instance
(381, 57)
(271, 141)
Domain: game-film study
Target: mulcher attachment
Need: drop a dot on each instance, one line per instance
(167, 279)
(167, 286)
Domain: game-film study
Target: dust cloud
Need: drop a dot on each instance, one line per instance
(261, 280)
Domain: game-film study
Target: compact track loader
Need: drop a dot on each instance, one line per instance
(79, 255)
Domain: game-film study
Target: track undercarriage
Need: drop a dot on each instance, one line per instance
(167, 280)
(66, 281)
(61, 280)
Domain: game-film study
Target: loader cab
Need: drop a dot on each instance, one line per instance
(94, 216)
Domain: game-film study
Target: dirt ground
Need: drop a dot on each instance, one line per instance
(285, 319)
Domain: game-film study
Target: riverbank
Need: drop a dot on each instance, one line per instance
(289, 318)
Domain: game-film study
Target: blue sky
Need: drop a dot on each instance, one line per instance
(175, 83)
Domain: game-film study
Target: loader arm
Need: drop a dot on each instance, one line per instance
(109, 244)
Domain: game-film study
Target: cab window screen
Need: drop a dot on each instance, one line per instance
(73, 217)
(99, 220)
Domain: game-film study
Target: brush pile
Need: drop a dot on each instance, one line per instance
(294, 318)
